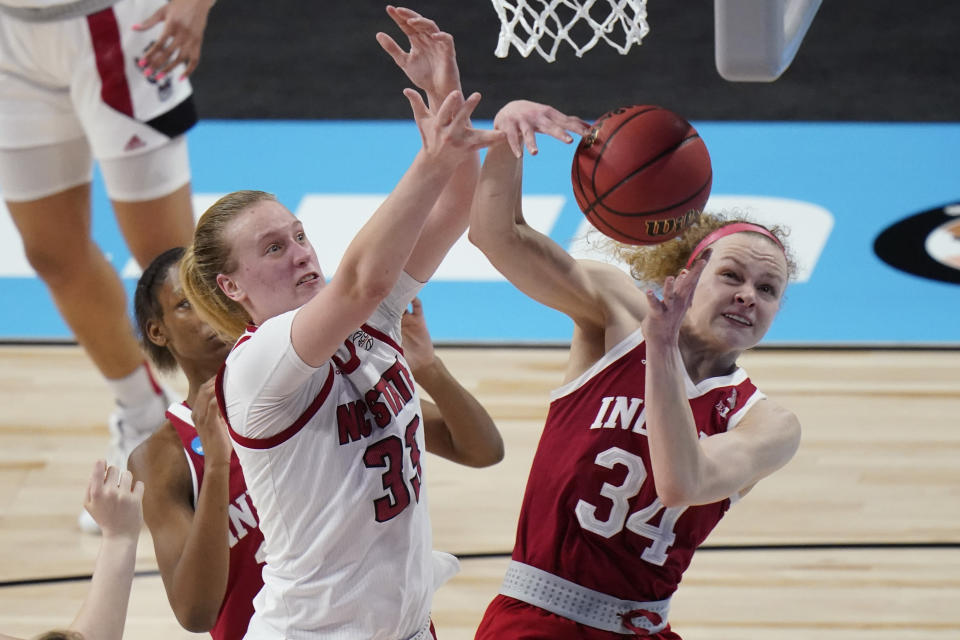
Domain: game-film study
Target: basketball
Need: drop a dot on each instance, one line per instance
(642, 175)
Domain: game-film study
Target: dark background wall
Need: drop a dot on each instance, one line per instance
(873, 60)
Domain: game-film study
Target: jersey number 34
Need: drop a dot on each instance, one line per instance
(638, 522)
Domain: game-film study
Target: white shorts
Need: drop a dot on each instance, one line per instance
(65, 79)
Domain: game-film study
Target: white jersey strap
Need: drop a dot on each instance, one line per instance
(582, 604)
(182, 411)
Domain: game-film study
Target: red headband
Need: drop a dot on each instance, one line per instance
(729, 229)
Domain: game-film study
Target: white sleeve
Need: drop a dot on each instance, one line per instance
(266, 384)
(388, 314)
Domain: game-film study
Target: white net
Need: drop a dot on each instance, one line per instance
(543, 25)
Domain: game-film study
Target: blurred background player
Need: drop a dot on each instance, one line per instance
(654, 431)
(205, 530)
(103, 79)
(113, 500)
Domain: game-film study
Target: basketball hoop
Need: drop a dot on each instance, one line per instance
(542, 25)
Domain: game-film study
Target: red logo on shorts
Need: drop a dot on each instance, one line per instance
(135, 142)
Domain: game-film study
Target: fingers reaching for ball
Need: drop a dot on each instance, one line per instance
(521, 120)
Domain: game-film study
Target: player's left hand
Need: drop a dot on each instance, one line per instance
(181, 40)
(431, 62)
(210, 425)
(521, 120)
(416, 342)
(663, 320)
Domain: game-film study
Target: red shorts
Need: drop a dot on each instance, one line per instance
(510, 619)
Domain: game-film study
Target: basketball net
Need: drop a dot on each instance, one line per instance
(545, 24)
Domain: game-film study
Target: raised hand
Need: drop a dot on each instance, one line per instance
(431, 62)
(446, 133)
(210, 425)
(663, 320)
(114, 501)
(520, 120)
(417, 345)
(181, 40)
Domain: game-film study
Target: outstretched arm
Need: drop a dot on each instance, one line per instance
(114, 502)
(457, 427)
(191, 544)
(689, 470)
(373, 261)
(533, 262)
(431, 64)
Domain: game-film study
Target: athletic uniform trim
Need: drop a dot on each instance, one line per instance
(581, 604)
(608, 358)
(381, 336)
(105, 38)
(176, 121)
(735, 418)
(182, 411)
(286, 434)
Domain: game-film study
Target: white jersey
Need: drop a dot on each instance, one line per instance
(332, 458)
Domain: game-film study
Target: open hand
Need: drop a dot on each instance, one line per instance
(446, 133)
(114, 501)
(520, 120)
(184, 22)
(665, 316)
(431, 62)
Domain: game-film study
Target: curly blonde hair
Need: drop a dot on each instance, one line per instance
(209, 256)
(653, 263)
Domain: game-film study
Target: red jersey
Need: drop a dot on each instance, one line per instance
(591, 514)
(246, 555)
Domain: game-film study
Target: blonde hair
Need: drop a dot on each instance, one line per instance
(209, 256)
(653, 263)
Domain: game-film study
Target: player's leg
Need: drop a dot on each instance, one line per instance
(135, 130)
(50, 97)
(47, 191)
(55, 231)
(151, 199)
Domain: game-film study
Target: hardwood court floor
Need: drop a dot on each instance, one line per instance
(857, 538)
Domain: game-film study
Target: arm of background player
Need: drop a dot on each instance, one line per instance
(114, 502)
(192, 548)
(457, 427)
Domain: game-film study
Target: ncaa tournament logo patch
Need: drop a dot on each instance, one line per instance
(926, 244)
(197, 446)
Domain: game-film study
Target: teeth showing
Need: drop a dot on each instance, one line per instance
(739, 319)
(307, 278)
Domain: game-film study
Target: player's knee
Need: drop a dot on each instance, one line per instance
(57, 262)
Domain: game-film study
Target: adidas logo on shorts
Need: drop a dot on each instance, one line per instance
(135, 142)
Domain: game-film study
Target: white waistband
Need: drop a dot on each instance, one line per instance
(423, 633)
(56, 12)
(581, 604)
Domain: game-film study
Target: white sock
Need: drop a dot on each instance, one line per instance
(137, 388)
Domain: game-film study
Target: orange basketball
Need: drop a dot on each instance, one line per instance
(642, 175)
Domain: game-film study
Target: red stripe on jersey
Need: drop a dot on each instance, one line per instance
(218, 391)
(382, 337)
(107, 47)
(153, 381)
(289, 432)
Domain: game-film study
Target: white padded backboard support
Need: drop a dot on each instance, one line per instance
(756, 40)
